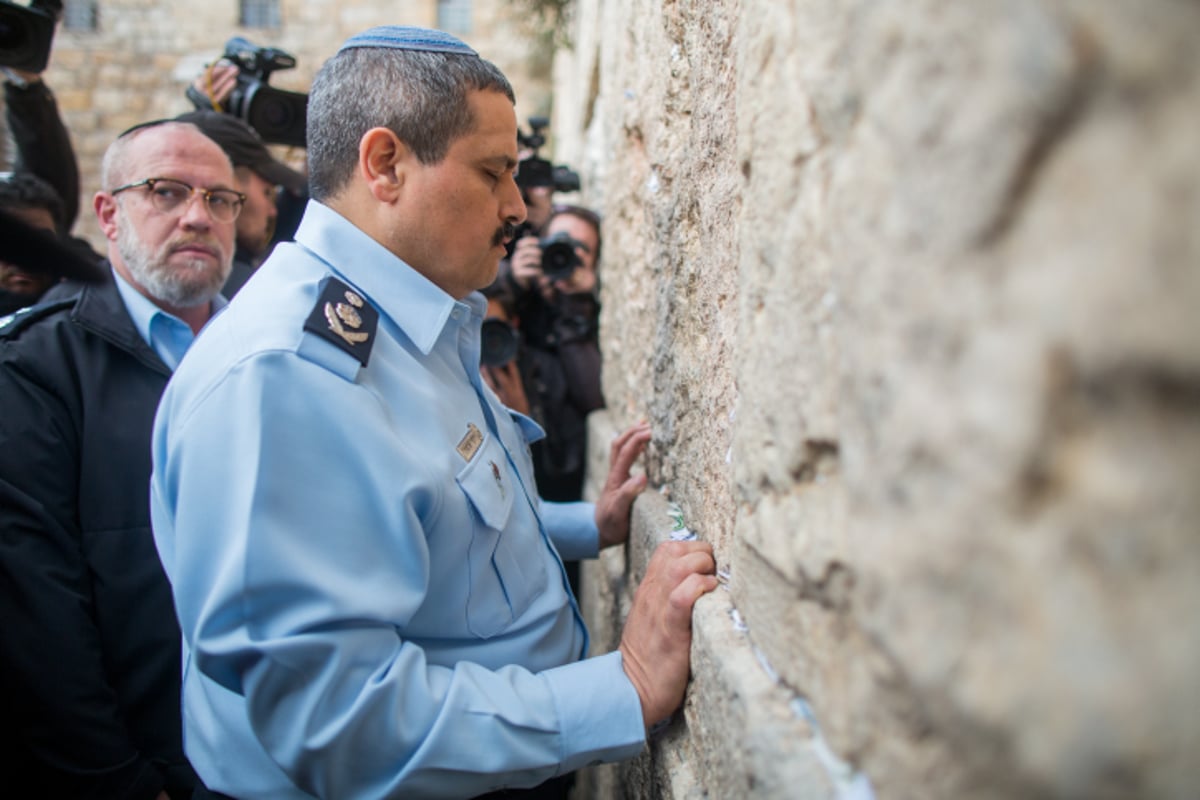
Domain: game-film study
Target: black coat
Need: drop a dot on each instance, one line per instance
(89, 643)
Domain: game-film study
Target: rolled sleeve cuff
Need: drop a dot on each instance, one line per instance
(600, 712)
(572, 528)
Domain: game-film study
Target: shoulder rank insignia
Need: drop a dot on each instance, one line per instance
(343, 317)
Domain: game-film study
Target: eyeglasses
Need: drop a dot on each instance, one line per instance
(169, 195)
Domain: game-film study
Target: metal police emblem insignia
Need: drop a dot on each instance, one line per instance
(344, 317)
(469, 444)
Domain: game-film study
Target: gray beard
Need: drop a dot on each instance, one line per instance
(184, 285)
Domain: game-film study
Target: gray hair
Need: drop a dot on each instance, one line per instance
(115, 166)
(420, 96)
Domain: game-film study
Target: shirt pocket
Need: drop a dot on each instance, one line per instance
(507, 572)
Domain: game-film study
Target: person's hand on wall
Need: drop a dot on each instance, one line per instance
(621, 488)
(657, 640)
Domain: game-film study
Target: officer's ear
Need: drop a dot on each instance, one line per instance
(382, 163)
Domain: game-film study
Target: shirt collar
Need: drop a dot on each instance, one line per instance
(144, 315)
(387, 281)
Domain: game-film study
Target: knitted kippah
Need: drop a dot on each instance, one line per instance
(407, 37)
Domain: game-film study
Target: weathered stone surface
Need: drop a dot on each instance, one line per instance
(738, 734)
(908, 291)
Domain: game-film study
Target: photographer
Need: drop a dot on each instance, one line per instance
(533, 382)
(555, 282)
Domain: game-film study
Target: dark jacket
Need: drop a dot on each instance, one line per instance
(89, 644)
(560, 370)
(560, 458)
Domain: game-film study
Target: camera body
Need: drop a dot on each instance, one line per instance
(26, 33)
(537, 171)
(279, 116)
(559, 258)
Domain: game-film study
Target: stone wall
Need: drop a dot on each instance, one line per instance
(137, 64)
(910, 292)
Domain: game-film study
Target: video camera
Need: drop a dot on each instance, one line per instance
(26, 33)
(537, 171)
(279, 116)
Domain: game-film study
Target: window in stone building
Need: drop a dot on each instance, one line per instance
(80, 15)
(454, 16)
(259, 13)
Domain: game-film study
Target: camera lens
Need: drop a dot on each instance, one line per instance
(276, 113)
(278, 116)
(498, 344)
(559, 258)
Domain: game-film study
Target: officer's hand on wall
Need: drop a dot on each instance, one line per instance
(620, 488)
(657, 639)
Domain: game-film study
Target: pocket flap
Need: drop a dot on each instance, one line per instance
(488, 483)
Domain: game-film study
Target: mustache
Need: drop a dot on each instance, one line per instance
(205, 242)
(504, 234)
(210, 247)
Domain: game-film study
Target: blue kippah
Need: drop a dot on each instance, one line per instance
(407, 37)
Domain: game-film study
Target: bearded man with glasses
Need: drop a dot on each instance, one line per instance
(90, 649)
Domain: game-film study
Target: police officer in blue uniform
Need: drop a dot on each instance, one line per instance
(370, 590)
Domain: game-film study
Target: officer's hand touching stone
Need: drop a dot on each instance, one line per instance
(657, 640)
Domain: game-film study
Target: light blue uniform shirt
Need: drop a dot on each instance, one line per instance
(168, 336)
(370, 601)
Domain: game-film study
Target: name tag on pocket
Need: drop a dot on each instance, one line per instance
(469, 444)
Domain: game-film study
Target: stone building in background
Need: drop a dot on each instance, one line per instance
(910, 292)
(116, 63)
